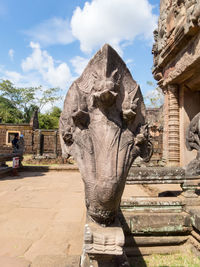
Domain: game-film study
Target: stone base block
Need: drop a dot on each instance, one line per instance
(103, 240)
(103, 246)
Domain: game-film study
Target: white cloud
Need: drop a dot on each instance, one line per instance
(19, 79)
(113, 22)
(79, 64)
(13, 76)
(129, 61)
(43, 63)
(11, 54)
(52, 31)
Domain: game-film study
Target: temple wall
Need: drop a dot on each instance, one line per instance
(177, 69)
(6, 135)
(40, 141)
(46, 141)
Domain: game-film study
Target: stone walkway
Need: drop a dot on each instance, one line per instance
(42, 217)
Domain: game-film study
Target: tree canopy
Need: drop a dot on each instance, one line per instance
(155, 97)
(50, 120)
(17, 104)
(8, 112)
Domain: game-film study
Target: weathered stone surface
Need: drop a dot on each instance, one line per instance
(193, 142)
(6, 261)
(34, 122)
(103, 240)
(103, 126)
(103, 246)
(156, 175)
(137, 241)
(143, 223)
(178, 23)
(152, 204)
(176, 68)
(190, 188)
(56, 261)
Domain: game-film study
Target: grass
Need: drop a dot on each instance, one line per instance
(188, 259)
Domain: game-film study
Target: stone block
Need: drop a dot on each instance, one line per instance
(165, 223)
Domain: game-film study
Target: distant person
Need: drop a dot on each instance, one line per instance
(15, 141)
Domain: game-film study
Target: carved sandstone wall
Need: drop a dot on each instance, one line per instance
(6, 136)
(177, 69)
(36, 141)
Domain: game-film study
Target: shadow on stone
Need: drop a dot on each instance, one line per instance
(170, 194)
(131, 248)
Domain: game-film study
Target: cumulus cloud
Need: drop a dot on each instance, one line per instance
(18, 79)
(13, 76)
(79, 64)
(43, 63)
(52, 31)
(113, 22)
(11, 54)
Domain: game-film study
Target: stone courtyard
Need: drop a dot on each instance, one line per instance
(42, 217)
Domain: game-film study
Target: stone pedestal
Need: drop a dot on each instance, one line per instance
(103, 246)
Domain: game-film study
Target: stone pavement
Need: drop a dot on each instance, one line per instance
(42, 218)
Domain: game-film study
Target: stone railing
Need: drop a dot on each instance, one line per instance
(164, 175)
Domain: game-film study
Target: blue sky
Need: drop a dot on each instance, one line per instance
(49, 43)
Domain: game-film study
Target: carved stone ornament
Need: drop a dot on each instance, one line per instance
(179, 22)
(193, 142)
(103, 127)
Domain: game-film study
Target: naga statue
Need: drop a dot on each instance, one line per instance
(193, 142)
(103, 127)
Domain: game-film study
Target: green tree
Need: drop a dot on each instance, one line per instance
(26, 99)
(50, 120)
(8, 112)
(155, 97)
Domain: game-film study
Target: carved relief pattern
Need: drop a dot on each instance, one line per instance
(178, 18)
(173, 124)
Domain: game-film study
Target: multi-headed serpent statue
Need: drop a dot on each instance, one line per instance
(103, 127)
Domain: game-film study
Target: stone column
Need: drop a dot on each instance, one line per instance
(182, 125)
(165, 126)
(173, 124)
